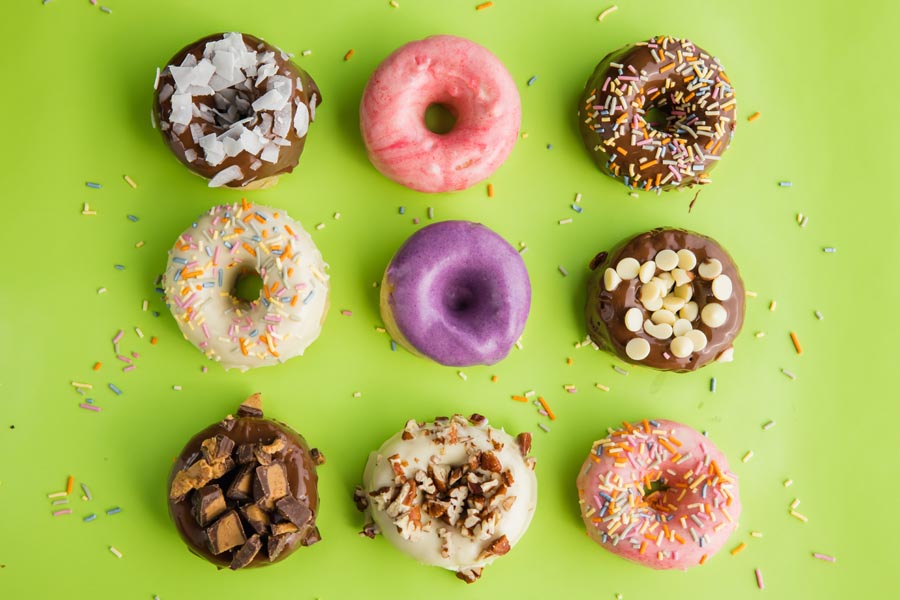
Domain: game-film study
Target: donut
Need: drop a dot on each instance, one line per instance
(467, 80)
(243, 492)
(669, 299)
(231, 242)
(457, 293)
(658, 115)
(453, 493)
(235, 110)
(658, 493)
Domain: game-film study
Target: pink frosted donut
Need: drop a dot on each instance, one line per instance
(658, 493)
(465, 78)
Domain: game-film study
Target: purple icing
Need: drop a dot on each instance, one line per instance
(458, 293)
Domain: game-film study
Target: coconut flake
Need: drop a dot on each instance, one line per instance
(190, 155)
(299, 84)
(225, 176)
(156, 81)
(165, 93)
(282, 121)
(214, 150)
(313, 102)
(252, 142)
(270, 153)
(255, 165)
(196, 132)
(271, 100)
(181, 109)
(233, 147)
(301, 120)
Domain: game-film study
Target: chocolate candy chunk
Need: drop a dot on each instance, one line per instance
(277, 544)
(317, 457)
(270, 485)
(284, 527)
(256, 517)
(226, 533)
(208, 503)
(246, 454)
(312, 537)
(217, 449)
(241, 487)
(251, 407)
(294, 511)
(196, 476)
(247, 553)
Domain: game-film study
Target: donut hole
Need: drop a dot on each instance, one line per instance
(466, 298)
(655, 493)
(247, 287)
(234, 105)
(657, 118)
(440, 118)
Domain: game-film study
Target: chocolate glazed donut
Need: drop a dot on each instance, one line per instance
(243, 492)
(235, 110)
(610, 297)
(658, 114)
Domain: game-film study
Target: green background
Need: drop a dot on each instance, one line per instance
(77, 108)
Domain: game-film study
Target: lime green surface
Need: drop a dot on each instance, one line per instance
(76, 108)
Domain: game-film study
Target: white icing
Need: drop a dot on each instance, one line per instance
(287, 258)
(465, 552)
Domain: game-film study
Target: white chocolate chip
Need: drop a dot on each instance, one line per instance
(666, 259)
(682, 347)
(713, 315)
(662, 331)
(611, 280)
(654, 304)
(698, 338)
(710, 269)
(634, 319)
(667, 280)
(663, 316)
(727, 355)
(648, 270)
(628, 268)
(685, 291)
(681, 327)
(650, 291)
(673, 303)
(689, 311)
(721, 287)
(687, 260)
(681, 276)
(637, 348)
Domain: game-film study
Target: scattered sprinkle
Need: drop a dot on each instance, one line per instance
(819, 315)
(750, 294)
(336, 216)
(462, 375)
(829, 249)
(84, 386)
(788, 482)
(577, 208)
(520, 398)
(56, 495)
(114, 511)
(116, 390)
(546, 408)
(796, 341)
(825, 557)
(532, 80)
(565, 221)
(760, 334)
(87, 492)
(799, 517)
(347, 313)
(115, 552)
(65, 511)
(90, 407)
(785, 183)
(306, 52)
(795, 503)
(93, 185)
(494, 379)
(357, 394)
(490, 190)
(394, 4)
(401, 210)
(119, 267)
(756, 534)
(349, 54)
(768, 425)
(544, 428)
(601, 387)
(90, 517)
(320, 226)
(739, 548)
(177, 388)
(130, 181)
(106, 9)
(607, 12)
(132, 218)
(431, 212)
(393, 346)
(712, 385)
(753, 117)
(805, 221)
(484, 5)
(772, 306)
(746, 458)
(789, 374)
(620, 370)
(563, 270)
(139, 244)
(759, 579)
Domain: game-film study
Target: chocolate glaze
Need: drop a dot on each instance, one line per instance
(606, 137)
(605, 311)
(302, 479)
(288, 157)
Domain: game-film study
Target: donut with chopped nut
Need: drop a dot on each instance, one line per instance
(243, 492)
(454, 493)
(669, 299)
(235, 110)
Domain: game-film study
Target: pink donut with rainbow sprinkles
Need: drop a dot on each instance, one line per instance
(658, 493)
(464, 78)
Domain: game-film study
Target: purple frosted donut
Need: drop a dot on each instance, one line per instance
(457, 293)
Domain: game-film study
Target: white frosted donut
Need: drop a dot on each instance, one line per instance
(454, 493)
(231, 241)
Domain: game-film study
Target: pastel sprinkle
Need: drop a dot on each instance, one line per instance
(825, 557)
(578, 198)
(85, 386)
(563, 270)
(788, 482)
(130, 181)
(65, 511)
(106, 9)
(431, 212)
(357, 394)
(602, 387)
(565, 221)
(788, 374)
(739, 548)
(119, 267)
(712, 385)
(620, 370)
(462, 375)
(753, 117)
(607, 12)
(86, 491)
(544, 428)
(772, 306)
(115, 552)
(393, 346)
(93, 185)
(490, 190)
(60, 501)
(114, 511)
(532, 80)
(90, 517)
(394, 3)
(747, 456)
(756, 534)
(349, 54)
(484, 5)
(799, 517)
(785, 183)
(759, 579)
(347, 313)
(402, 210)
(796, 341)
(819, 315)
(90, 407)
(546, 408)
(829, 249)
(768, 425)
(139, 244)
(97, 366)
(115, 389)
(177, 388)
(56, 495)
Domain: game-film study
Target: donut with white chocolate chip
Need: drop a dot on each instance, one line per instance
(243, 492)
(669, 299)
(454, 493)
(235, 110)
